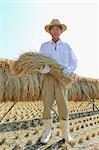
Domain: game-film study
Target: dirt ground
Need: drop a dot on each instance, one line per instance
(21, 127)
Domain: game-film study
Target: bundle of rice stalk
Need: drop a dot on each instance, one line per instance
(32, 62)
(23, 88)
(37, 89)
(32, 86)
(12, 89)
(5, 68)
(91, 87)
(79, 93)
(1, 86)
(88, 85)
(95, 88)
(4, 74)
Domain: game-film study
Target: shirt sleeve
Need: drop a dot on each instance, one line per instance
(42, 49)
(72, 59)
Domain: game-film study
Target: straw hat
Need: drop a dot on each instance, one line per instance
(53, 23)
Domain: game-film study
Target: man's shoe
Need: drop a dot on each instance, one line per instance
(47, 131)
(65, 132)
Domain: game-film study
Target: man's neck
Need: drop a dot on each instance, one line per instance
(55, 40)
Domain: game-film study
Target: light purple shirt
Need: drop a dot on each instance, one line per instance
(61, 52)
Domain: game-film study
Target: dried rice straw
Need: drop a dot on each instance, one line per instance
(28, 87)
(90, 86)
(32, 62)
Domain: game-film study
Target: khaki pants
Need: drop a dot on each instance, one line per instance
(52, 90)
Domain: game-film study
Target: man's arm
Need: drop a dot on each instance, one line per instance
(72, 62)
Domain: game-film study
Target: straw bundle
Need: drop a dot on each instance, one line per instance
(32, 86)
(88, 85)
(28, 87)
(1, 86)
(32, 62)
(5, 68)
(24, 88)
(4, 74)
(12, 89)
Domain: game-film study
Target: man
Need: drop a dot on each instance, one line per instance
(52, 89)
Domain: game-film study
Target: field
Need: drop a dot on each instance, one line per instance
(21, 109)
(21, 126)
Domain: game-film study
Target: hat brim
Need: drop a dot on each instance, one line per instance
(47, 27)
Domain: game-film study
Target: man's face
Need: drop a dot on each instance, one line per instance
(55, 31)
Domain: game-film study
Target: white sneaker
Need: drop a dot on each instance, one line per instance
(47, 131)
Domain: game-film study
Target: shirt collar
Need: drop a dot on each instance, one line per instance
(58, 42)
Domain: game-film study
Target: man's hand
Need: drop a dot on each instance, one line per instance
(67, 71)
(44, 70)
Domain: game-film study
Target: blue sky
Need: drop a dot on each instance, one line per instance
(22, 29)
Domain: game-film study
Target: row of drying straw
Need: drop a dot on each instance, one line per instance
(28, 86)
